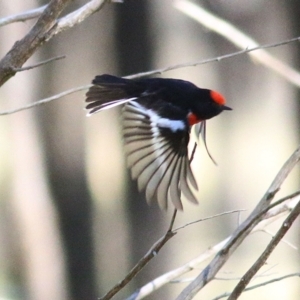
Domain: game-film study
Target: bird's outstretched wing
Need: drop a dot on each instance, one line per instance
(157, 154)
(156, 135)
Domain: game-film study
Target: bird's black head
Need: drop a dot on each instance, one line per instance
(209, 104)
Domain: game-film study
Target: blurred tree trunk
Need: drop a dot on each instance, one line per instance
(62, 128)
(32, 226)
(134, 45)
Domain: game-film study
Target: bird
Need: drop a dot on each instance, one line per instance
(157, 117)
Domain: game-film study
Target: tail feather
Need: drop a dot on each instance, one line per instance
(109, 91)
(107, 79)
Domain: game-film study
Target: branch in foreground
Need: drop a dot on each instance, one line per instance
(260, 284)
(45, 100)
(215, 59)
(78, 16)
(209, 218)
(45, 28)
(241, 232)
(150, 73)
(287, 224)
(143, 262)
(39, 64)
(22, 17)
(24, 48)
(279, 208)
(238, 38)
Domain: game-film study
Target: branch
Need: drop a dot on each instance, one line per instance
(24, 48)
(45, 28)
(39, 64)
(238, 38)
(282, 205)
(78, 16)
(144, 261)
(209, 218)
(287, 224)
(149, 73)
(241, 232)
(22, 17)
(45, 100)
(261, 284)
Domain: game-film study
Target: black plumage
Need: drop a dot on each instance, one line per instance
(157, 117)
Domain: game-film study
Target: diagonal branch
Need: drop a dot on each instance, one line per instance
(45, 28)
(241, 232)
(238, 38)
(22, 17)
(46, 100)
(260, 284)
(264, 256)
(41, 63)
(153, 72)
(284, 205)
(78, 16)
(143, 261)
(23, 49)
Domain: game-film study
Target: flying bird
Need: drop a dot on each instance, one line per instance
(158, 114)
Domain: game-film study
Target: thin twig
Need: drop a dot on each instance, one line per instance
(77, 16)
(287, 224)
(23, 49)
(173, 220)
(182, 280)
(22, 17)
(215, 59)
(47, 61)
(260, 285)
(208, 218)
(145, 74)
(283, 240)
(238, 38)
(241, 232)
(43, 30)
(277, 207)
(45, 100)
(144, 261)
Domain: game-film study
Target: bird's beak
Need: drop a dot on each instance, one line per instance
(226, 107)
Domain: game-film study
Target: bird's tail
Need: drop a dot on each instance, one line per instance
(109, 91)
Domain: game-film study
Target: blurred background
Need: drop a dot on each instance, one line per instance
(72, 222)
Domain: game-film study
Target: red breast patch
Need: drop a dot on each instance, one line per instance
(193, 119)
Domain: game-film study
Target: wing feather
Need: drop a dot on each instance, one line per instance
(156, 149)
(156, 135)
(184, 185)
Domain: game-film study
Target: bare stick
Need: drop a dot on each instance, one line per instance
(145, 74)
(277, 208)
(45, 100)
(39, 64)
(283, 240)
(45, 28)
(209, 218)
(144, 261)
(261, 284)
(22, 17)
(215, 59)
(241, 232)
(24, 48)
(78, 16)
(264, 256)
(238, 38)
